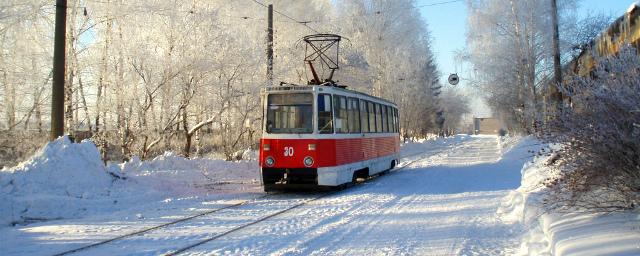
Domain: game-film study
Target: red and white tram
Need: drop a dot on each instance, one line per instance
(325, 135)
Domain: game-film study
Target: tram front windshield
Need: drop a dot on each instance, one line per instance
(289, 113)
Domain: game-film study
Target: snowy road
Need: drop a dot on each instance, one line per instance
(444, 203)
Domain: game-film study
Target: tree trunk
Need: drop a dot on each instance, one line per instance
(185, 124)
(84, 102)
(187, 145)
(121, 114)
(39, 118)
(198, 140)
(37, 104)
(70, 69)
(102, 87)
(10, 96)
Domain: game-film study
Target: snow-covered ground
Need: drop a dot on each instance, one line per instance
(64, 195)
(459, 196)
(569, 233)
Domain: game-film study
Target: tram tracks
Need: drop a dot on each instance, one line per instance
(211, 212)
(149, 229)
(215, 237)
(191, 246)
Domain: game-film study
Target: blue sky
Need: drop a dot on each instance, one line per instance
(447, 23)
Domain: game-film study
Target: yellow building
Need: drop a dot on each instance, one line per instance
(488, 125)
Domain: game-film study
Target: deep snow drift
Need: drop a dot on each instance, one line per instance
(67, 180)
(569, 233)
(56, 183)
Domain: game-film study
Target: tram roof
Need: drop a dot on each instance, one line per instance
(302, 88)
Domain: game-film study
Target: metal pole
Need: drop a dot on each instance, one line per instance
(57, 93)
(556, 96)
(270, 46)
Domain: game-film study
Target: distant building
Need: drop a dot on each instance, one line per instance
(486, 125)
(622, 32)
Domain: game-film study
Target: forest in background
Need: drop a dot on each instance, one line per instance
(145, 77)
(509, 46)
(594, 129)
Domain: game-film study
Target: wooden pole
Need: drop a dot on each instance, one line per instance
(57, 93)
(556, 95)
(270, 46)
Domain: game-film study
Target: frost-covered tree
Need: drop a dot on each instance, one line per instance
(389, 55)
(198, 67)
(580, 33)
(148, 76)
(455, 104)
(24, 58)
(599, 163)
(510, 49)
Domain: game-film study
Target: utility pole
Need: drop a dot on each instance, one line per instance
(270, 46)
(556, 96)
(57, 93)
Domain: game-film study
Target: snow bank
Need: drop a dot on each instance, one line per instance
(565, 233)
(53, 183)
(181, 176)
(513, 206)
(68, 180)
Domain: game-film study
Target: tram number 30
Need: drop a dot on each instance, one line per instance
(288, 151)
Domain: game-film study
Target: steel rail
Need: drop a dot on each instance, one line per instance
(217, 236)
(201, 242)
(145, 230)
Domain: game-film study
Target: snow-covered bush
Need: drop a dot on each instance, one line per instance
(599, 163)
(17, 146)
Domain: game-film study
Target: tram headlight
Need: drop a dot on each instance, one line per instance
(269, 161)
(308, 161)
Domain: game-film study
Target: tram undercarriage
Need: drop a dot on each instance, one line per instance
(327, 178)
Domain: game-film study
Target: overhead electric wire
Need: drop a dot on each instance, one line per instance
(438, 3)
(304, 23)
(293, 20)
(378, 12)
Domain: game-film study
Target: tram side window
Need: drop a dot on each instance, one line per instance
(364, 116)
(378, 118)
(390, 118)
(385, 125)
(396, 119)
(354, 115)
(325, 116)
(372, 116)
(342, 118)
